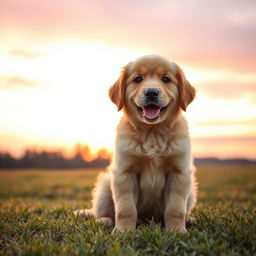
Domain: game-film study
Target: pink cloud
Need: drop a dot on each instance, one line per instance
(200, 32)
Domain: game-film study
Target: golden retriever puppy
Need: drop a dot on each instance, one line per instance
(151, 174)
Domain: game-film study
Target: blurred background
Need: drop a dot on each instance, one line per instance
(58, 59)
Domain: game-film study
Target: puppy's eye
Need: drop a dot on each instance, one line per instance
(166, 79)
(138, 79)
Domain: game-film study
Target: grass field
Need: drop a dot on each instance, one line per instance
(36, 217)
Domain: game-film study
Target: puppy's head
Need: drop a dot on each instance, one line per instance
(152, 90)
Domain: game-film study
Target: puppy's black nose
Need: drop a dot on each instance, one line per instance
(151, 93)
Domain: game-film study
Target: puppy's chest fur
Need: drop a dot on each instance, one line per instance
(153, 145)
(151, 183)
(153, 163)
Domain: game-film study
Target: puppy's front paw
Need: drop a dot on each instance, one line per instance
(106, 221)
(175, 222)
(176, 225)
(118, 230)
(122, 229)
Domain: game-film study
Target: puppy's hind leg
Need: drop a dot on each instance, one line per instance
(102, 203)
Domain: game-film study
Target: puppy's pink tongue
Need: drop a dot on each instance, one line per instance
(151, 111)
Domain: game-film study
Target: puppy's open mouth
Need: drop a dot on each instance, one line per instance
(151, 112)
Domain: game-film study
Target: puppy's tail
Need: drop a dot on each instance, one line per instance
(84, 212)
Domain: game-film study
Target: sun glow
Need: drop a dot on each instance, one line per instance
(58, 61)
(63, 99)
(70, 101)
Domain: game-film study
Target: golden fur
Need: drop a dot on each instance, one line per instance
(151, 174)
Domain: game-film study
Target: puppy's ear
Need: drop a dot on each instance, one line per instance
(186, 91)
(117, 90)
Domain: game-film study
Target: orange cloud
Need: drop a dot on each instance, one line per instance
(230, 123)
(224, 147)
(12, 82)
(24, 53)
(227, 90)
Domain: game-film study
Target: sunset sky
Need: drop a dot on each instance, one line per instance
(59, 57)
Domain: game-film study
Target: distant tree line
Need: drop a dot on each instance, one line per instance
(83, 158)
(55, 160)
